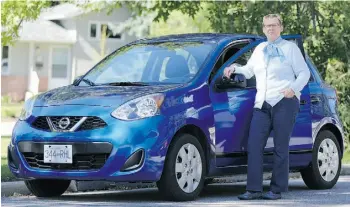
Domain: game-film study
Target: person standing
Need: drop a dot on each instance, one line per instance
(281, 73)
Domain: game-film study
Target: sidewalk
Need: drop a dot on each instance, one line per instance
(6, 127)
(19, 188)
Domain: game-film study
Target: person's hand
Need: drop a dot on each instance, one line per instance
(228, 71)
(288, 93)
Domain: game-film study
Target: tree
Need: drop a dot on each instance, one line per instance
(179, 23)
(14, 13)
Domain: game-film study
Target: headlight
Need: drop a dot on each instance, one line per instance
(27, 109)
(142, 107)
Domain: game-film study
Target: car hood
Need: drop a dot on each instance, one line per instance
(97, 95)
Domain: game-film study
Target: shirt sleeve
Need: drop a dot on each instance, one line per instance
(300, 68)
(247, 70)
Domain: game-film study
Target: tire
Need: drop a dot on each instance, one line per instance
(316, 176)
(170, 184)
(46, 187)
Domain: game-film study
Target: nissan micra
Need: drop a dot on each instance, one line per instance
(160, 110)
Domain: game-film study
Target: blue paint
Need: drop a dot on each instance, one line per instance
(222, 117)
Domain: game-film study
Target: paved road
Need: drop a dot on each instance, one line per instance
(218, 195)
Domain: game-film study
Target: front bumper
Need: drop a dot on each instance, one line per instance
(125, 138)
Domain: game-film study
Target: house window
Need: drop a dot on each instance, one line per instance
(109, 32)
(5, 60)
(93, 30)
(96, 30)
(59, 63)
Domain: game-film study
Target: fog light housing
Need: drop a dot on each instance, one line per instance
(134, 161)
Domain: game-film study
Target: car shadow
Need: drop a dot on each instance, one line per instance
(152, 194)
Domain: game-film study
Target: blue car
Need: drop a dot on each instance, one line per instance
(160, 110)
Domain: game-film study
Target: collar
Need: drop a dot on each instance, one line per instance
(276, 42)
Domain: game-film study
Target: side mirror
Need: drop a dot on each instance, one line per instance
(235, 81)
(77, 80)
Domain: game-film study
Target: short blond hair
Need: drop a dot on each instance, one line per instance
(277, 16)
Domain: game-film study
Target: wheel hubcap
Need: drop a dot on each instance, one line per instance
(328, 160)
(188, 168)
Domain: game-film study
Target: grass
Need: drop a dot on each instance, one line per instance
(6, 175)
(11, 110)
(346, 158)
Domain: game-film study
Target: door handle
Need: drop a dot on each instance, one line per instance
(303, 102)
(315, 99)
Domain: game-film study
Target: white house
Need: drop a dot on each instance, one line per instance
(63, 43)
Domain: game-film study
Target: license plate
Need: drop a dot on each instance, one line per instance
(58, 154)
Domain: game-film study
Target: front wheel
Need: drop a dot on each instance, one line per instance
(184, 168)
(326, 162)
(47, 188)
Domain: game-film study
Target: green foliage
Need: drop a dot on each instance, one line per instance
(324, 25)
(179, 23)
(13, 13)
(9, 108)
(338, 76)
(6, 175)
(346, 158)
(6, 99)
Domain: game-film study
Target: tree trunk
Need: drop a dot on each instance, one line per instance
(103, 40)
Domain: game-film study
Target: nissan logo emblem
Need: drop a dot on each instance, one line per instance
(64, 123)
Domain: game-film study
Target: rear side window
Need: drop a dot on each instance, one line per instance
(313, 70)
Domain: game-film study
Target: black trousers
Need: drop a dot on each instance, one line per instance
(279, 118)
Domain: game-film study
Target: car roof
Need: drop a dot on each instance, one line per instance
(197, 37)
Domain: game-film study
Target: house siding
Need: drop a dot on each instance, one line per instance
(85, 53)
(87, 50)
(19, 59)
(16, 82)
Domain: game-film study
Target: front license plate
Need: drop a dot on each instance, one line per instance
(58, 154)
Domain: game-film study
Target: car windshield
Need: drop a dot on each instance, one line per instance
(147, 64)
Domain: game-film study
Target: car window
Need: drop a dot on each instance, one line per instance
(168, 62)
(243, 60)
(191, 63)
(130, 66)
(226, 55)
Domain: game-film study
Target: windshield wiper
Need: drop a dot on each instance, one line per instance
(89, 82)
(126, 84)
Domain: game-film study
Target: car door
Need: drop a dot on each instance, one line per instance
(301, 138)
(232, 109)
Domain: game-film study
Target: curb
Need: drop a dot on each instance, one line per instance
(18, 188)
(6, 128)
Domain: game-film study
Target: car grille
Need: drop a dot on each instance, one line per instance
(73, 121)
(92, 123)
(89, 123)
(80, 161)
(41, 123)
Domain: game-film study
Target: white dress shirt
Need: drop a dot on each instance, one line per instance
(274, 76)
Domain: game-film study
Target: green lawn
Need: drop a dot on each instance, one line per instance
(6, 175)
(346, 158)
(11, 110)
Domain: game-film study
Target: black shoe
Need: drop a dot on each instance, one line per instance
(250, 195)
(272, 196)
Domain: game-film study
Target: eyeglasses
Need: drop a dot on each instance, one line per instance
(271, 25)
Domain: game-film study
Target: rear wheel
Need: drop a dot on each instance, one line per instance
(183, 173)
(326, 163)
(46, 187)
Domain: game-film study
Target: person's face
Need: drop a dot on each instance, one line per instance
(272, 28)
